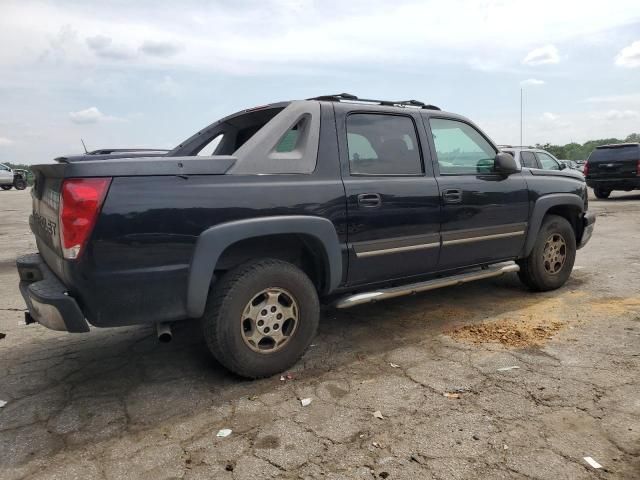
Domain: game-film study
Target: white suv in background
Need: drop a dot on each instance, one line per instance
(531, 157)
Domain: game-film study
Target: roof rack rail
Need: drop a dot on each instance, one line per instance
(347, 97)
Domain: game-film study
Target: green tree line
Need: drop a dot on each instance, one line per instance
(576, 151)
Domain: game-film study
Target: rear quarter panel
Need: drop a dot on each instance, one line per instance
(136, 268)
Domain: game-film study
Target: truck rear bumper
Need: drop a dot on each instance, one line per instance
(630, 183)
(47, 298)
(589, 221)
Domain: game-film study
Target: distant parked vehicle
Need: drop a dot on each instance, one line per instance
(12, 178)
(538, 159)
(613, 167)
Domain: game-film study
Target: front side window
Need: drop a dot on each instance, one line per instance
(528, 160)
(382, 145)
(461, 149)
(547, 162)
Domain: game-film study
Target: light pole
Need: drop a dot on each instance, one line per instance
(521, 117)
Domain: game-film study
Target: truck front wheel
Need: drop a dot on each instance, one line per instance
(261, 317)
(549, 264)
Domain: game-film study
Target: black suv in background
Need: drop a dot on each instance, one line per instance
(613, 167)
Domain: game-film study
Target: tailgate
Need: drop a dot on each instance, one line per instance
(44, 221)
(615, 169)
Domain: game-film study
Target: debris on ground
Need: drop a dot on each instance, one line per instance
(394, 365)
(510, 333)
(2, 335)
(286, 377)
(378, 414)
(451, 395)
(2, 403)
(376, 444)
(225, 432)
(506, 369)
(305, 402)
(592, 462)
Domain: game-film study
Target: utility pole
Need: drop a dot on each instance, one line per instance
(521, 117)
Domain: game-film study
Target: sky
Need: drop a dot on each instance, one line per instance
(151, 73)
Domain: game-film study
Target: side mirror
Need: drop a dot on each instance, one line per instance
(505, 163)
(562, 165)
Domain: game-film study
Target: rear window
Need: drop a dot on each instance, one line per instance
(628, 152)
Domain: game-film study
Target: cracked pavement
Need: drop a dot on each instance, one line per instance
(117, 404)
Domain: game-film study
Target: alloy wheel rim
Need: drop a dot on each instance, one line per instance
(269, 320)
(554, 254)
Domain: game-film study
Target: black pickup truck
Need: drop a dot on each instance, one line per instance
(254, 222)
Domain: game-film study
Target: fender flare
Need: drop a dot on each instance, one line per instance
(540, 209)
(215, 240)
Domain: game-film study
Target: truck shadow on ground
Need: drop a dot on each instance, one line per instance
(102, 384)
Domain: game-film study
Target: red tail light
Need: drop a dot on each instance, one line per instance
(585, 170)
(638, 168)
(80, 203)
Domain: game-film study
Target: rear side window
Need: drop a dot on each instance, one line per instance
(461, 149)
(612, 154)
(382, 145)
(210, 148)
(528, 159)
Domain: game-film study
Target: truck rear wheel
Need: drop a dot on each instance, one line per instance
(6, 187)
(261, 317)
(601, 192)
(20, 184)
(549, 264)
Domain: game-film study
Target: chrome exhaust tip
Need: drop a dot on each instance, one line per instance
(163, 331)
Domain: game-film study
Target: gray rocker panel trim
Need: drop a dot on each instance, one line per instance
(540, 209)
(213, 241)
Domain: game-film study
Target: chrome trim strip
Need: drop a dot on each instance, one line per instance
(373, 253)
(483, 237)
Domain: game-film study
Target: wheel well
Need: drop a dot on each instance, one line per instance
(571, 214)
(304, 251)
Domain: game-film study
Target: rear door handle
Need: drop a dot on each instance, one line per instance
(452, 195)
(369, 200)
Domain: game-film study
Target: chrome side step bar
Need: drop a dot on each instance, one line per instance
(386, 293)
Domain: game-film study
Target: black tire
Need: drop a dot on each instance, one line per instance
(601, 193)
(536, 272)
(20, 184)
(6, 187)
(224, 327)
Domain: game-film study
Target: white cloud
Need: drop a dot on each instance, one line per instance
(542, 56)
(549, 116)
(532, 82)
(629, 56)
(167, 86)
(620, 114)
(5, 142)
(89, 115)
